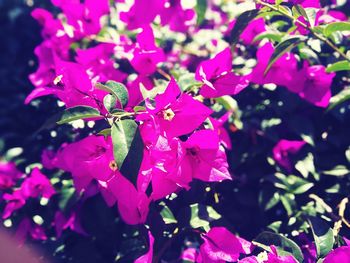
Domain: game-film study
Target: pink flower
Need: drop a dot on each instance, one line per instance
(72, 222)
(148, 257)
(135, 96)
(307, 3)
(220, 245)
(84, 17)
(28, 228)
(175, 114)
(9, 174)
(37, 184)
(48, 159)
(251, 259)
(142, 13)
(316, 87)
(273, 257)
(217, 77)
(176, 17)
(146, 55)
(87, 159)
(283, 151)
(340, 254)
(167, 169)
(69, 82)
(311, 83)
(189, 255)
(15, 201)
(282, 72)
(254, 28)
(206, 157)
(98, 63)
(221, 130)
(75, 87)
(321, 17)
(132, 204)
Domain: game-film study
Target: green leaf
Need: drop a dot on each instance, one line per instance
(77, 113)
(307, 166)
(339, 170)
(229, 103)
(131, 166)
(67, 197)
(336, 26)
(241, 23)
(168, 216)
(282, 48)
(139, 108)
(123, 133)
(298, 10)
(105, 132)
(338, 99)
(118, 90)
(309, 14)
(202, 215)
(287, 203)
(275, 226)
(323, 236)
(338, 66)
(201, 8)
(109, 101)
(268, 199)
(277, 37)
(284, 245)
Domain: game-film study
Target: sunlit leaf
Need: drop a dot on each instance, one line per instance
(77, 113)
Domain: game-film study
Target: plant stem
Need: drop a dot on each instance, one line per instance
(316, 35)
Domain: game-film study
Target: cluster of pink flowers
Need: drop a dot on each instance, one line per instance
(184, 136)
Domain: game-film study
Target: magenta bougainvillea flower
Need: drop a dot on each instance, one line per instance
(206, 157)
(142, 13)
(306, 3)
(145, 54)
(83, 17)
(303, 3)
(340, 254)
(254, 28)
(220, 245)
(168, 170)
(133, 204)
(37, 184)
(28, 228)
(87, 159)
(311, 83)
(316, 85)
(14, 202)
(282, 71)
(217, 77)
(98, 63)
(283, 151)
(273, 257)
(175, 114)
(9, 174)
(189, 255)
(148, 257)
(218, 125)
(61, 222)
(308, 248)
(176, 17)
(135, 95)
(71, 85)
